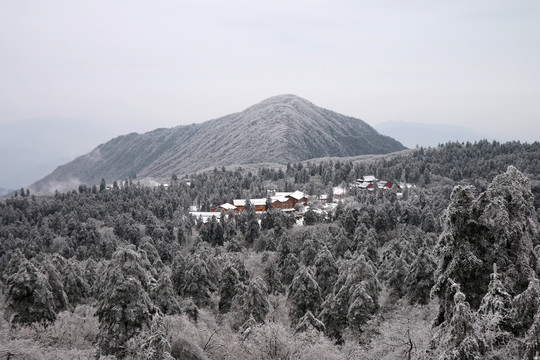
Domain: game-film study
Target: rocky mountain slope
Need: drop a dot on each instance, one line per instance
(281, 129)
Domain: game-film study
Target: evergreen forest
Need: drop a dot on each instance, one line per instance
(446, 269)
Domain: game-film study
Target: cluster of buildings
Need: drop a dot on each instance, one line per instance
(371, 183)
(287, 201)
(284, 201)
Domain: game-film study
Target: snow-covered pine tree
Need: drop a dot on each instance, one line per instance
(197, 282)
(419, 279)
(326, 271)
(304, 295)
(124, 307)
(271, 276)
(462, 342)
(29, 297)
(497, 226)
(164, 296)
(255, 301)
(228, 288)
(54, 278)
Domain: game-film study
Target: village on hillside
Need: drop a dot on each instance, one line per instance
(298, 202)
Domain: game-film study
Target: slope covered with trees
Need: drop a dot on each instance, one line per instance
(447, 270)
(280, 129)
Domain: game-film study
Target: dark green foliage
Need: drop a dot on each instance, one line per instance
(462, 343)
(229, 287)
(266, 242)
(497, 300)
(235, 244)
(255, 301)
(340, 243)
(397, 276)
(212, 232)
(191, 309)
(271, 277)
(308, 253)
(124, 307)
(497, 223)
(497, 227)
(419, 280)
(326, 271)
(304, 295)
(164, 296)
(197, 283)
(54, 279)
(354, 300)
(178, 276)
(526, 309)
(74, 278)
(290, 265)
(29, 297)
(248, 223)
(311, 217)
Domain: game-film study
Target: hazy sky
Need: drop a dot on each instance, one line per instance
(137, 65)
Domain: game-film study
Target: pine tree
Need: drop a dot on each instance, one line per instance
(197, 282)
(290, 265)
(164, 296)
(251, 229)
(255, 301)
(361, 307)
(29, 297)
(124, 307)
(326, 271)
(308, 253)
(397, 276)
(356, 294)
(178, 276)
(74, 281)
(525, 311)
(304, 295)
(54, 279)
(498, 226)
(228, 288)
(271, 277)
(463, 343)
(309, 322)
(419, 280)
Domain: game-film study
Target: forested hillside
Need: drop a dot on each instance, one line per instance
(446, 269)
(280, 129)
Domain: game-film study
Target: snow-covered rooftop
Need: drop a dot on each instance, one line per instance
(227, 206)
(279, 198)
(242, 202)
(297, 195)
(370, 178)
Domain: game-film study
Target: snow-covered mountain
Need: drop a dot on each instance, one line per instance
(281, 129)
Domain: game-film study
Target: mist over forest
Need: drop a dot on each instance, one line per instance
(444, 268)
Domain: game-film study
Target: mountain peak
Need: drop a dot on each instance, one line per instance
(281, 129)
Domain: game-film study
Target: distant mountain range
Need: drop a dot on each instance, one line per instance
(281, 129)
(427, 135)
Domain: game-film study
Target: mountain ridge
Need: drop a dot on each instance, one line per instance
(280, 129)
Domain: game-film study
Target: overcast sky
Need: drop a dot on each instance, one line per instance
(137, 65)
